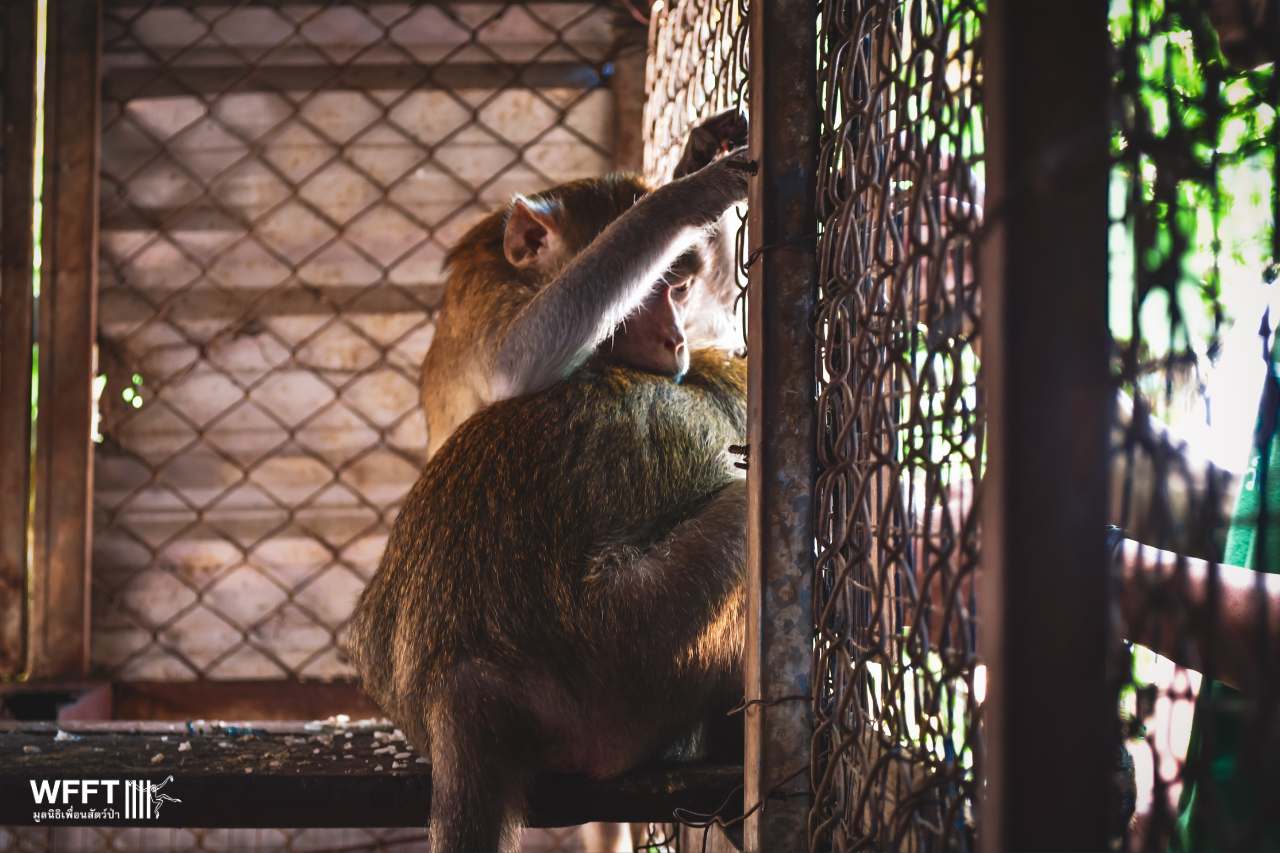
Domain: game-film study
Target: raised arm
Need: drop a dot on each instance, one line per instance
(602, 284)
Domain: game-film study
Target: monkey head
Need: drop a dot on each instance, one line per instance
(653, 337)
(543, 232)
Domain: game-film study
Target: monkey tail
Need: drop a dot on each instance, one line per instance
(477, 792)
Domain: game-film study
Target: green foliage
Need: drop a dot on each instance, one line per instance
(1192, 182)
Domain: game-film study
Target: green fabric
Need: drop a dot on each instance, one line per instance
(1227, 803)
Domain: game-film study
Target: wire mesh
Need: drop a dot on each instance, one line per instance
(1193, 244)
(900, 437)
(697, 67)
(279, 184)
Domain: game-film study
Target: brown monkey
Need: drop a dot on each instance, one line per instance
(568, 562)
(534, 288)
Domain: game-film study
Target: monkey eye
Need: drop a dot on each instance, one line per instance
(681, 290)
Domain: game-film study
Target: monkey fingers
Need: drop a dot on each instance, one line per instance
(717, 135)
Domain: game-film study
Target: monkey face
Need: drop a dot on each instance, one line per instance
(653, 338)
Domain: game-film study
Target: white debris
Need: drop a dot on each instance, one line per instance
(157, 758)
(402, 755)
(61, 736)
(29, 749)
(185, 746)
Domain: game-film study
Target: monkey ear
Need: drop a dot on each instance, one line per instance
(532, 236)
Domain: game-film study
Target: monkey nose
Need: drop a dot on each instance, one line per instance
(674, 344)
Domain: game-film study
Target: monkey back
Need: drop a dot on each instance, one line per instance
(488, 556)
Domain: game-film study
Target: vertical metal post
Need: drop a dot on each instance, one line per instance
(1049, 713)
(68, 330)
(782, 423)
(16, 326)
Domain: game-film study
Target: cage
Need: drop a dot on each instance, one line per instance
(1001, 274)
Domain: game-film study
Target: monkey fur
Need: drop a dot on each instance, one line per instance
(563, 588)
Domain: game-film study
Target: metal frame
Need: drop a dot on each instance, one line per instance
(782, 423)
(1049, 714)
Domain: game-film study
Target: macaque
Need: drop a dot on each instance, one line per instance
(535, 288)
(564, 587)
(572, 555)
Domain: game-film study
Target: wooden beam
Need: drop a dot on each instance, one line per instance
(59, 618)
(124, 84)
(16, 326)
(353, 774)
(627, 84)
(1044, 577)
(239, 700)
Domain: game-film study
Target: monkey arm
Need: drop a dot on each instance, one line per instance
(560, 326)
(684, 594)
(1192, 611)
(1162, 492)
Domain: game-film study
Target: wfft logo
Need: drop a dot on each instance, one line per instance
(99, 799)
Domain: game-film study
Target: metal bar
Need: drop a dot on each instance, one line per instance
(15, 327)
(781, 423)
(59, 634)
(1049, 712)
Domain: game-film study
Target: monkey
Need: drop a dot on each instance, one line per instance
(527, 302)
(501, 708)
(568, 562)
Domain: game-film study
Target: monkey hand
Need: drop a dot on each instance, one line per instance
(724, 131)
(711, 190)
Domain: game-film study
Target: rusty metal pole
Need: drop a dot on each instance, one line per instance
(16, 296)
(782, 423)
(1049, 715)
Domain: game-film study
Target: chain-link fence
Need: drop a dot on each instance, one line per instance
(279, 185)
(697, 67)
(1193, 248)
(896, 680)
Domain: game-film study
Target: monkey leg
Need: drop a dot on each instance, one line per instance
(674, 614)
(477, 791)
